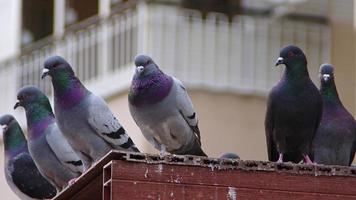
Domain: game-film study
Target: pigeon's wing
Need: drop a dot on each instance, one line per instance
(269, 126)
(353, 149)
(352, 154)
(107, 126)
(186, 108)
(319, 110)
(63, 151)
(318, 120)
(28, 179)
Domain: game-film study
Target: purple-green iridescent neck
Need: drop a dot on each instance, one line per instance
(69, 93)
(296, 71)
(38, 118)
(14, 140)
(37, 129)
(10, 153)
(329, 93)
(150, 89)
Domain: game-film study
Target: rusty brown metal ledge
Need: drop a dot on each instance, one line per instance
(122, 175)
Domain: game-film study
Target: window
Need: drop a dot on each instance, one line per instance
(37, 20)
(76, 12)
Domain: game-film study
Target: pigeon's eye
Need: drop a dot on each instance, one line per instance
(147, 62)
(27, 96)
(290, 54)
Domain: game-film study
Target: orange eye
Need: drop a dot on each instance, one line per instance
(290, 54)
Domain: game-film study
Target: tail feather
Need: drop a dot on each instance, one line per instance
(193, 148)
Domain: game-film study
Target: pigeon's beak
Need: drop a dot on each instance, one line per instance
(3, 127)
(279, 61)
(326, 77)
(45, 72)
(140, 69)
(17, 104)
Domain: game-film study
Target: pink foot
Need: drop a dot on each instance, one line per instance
(307, 160)
(280, 159)
(72, 181)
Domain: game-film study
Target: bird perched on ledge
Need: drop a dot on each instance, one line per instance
(53, 155)
(334, 142)
(84, 118)
(161, 107)
(294, 109)
(21, 172)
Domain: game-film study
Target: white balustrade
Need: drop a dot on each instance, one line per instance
(211, 52)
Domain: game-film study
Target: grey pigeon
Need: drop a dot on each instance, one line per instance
(230, 156)
(294, 109)
(334, 142)
(21, 172)
(51, 152)
(162, 109)
(84, 118)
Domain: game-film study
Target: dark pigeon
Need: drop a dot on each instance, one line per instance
(161, 107)
(294, 109)
(334, 142)
(21, 173)
(84, 118)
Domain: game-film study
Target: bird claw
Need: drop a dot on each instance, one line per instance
(280, 159)
(307, 160)
(163, 153)
(72, 181)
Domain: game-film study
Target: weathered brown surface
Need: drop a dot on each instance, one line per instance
(145, 176)
(89, 185)
(137, 190)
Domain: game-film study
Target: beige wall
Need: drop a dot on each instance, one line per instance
(228, 123)
(343, 59)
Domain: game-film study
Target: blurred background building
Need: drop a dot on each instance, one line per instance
(223, 50)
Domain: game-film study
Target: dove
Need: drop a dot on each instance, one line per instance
(162, 109)
(334, 142)
(21, 173)
(230, 156)
(54, 157)
(84, 118)
(294, 109)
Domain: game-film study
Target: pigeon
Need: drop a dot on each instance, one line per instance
(294, 109)
(334, 142)
(230, 156)
(84, 118)
(21, 172)
(162, 109)
(53, 155)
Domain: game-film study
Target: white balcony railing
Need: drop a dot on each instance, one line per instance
(211, 52)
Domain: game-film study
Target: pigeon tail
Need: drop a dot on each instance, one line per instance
(193, 148)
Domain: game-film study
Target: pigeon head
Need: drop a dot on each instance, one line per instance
(38, 110)
(144, 65)
(291, 55)
(31, 95)
(327, 87)
(5, 122)
(326, 73)
(57, 68)
(14, 140)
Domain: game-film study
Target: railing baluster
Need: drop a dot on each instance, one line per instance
(212, 52)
